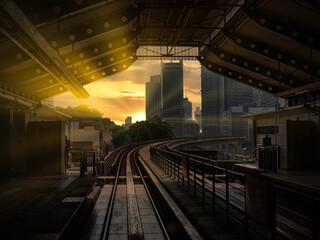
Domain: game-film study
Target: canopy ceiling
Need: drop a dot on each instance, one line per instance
(53, 46)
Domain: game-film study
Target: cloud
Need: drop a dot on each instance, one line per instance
(127, 92)
(123, 94)
(195, 91)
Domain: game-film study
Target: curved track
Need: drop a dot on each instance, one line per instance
(136, 208)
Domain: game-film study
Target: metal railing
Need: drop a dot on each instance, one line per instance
(83, 160)
(221, 187)
(293, 212)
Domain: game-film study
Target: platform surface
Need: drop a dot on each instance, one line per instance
(25, 203)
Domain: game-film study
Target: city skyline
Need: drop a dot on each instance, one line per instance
(130, 101)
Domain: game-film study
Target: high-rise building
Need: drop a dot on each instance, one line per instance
(153, 97)
(187, 105)
(210, 83)
(224, 101)
(128, 121)
(172, 96)
(198, 116)
(263, 99)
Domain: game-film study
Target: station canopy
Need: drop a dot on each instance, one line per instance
(53, 46)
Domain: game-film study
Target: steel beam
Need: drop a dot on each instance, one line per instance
(272, 53)
(16, 26)
(295, 91)
(88, 78)
(185, 21)
(240, 77)
(285, 29)
(256, 68)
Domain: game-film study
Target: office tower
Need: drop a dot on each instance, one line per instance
(235, 94)
(187, 105)
(153, 97)
(172, 96)
(192, 128)
(210, 83)
(264, 99)
(198, 117)
(128, 121)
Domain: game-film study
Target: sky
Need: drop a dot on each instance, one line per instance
(123, 94)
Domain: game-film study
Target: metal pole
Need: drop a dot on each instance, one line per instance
(195, 178)
(94, 164)
(81, 163)
(203, 187)
(227, 196)
(213, 188)
(246, 223)
(178, 165)
(188, 174)
(174, 168)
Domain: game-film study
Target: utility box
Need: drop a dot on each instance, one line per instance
(268, 159)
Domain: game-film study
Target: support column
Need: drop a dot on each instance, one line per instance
(232, 150)
(6, 143)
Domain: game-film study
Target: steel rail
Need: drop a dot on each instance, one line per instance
(107, 221)
(150, 197)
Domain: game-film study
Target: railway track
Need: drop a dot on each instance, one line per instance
(136, 208)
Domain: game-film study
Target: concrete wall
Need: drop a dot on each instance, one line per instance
(87, 134)
(27, 143)
(45, 148)
(6, 137)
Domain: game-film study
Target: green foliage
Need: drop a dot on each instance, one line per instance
(108, 124)
(81, 112)
(119, 136)
(154, 128)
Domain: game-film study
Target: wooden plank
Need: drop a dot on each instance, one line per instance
(135, 231)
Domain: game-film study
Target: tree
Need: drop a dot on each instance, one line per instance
(108, 124)
(82, 112)
(154, 128)
(119, 136)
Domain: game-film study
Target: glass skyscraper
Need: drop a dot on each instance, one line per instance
(172, 96)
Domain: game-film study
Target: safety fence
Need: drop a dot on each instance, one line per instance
(292, 215)
(83, 160)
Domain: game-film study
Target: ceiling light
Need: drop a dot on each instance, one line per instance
(54, 43)
(95, 50)
(124, 19)
(72, 37)
(89, 31)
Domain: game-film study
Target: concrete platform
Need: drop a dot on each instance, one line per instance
(307, 179)
(119, 221)
(34, 206)
(209, 225)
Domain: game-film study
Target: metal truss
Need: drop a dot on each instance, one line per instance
(238, 76)
(256, 68)
(163, 53)
(271, 53)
